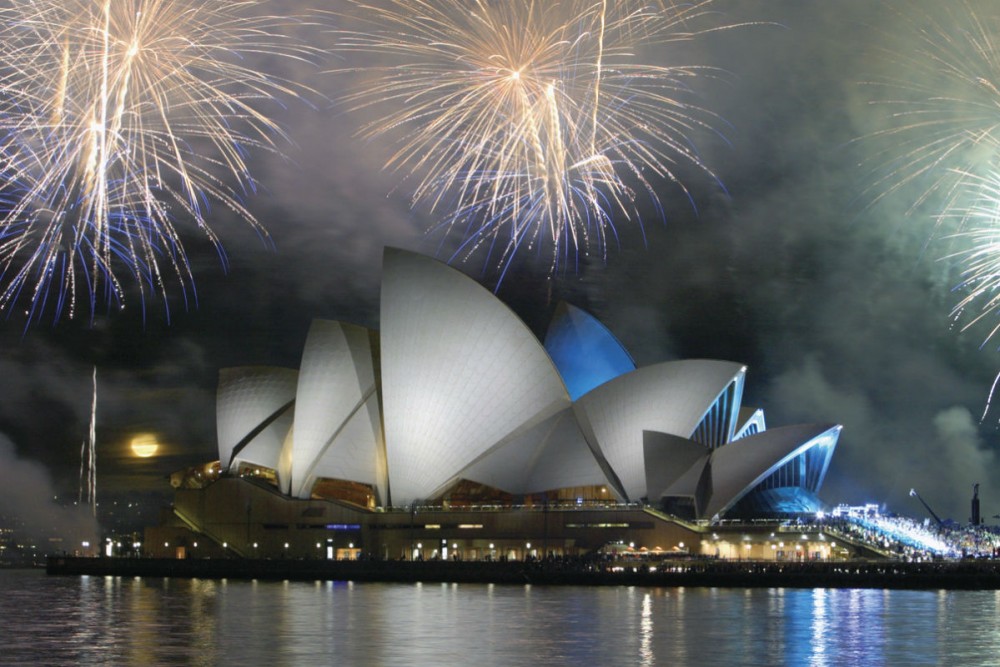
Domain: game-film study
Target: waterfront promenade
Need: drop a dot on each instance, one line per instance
(963, 574)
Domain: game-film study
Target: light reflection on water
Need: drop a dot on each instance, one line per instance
(121, 621)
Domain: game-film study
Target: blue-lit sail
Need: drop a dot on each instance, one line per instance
(585, 352)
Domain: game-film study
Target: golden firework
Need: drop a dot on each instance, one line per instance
(120, 118)
(530, 121)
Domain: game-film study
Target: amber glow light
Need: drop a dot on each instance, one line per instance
(145, 445)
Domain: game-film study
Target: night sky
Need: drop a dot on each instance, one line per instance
(839, 304)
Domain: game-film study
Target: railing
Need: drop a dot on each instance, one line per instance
(857, 541)
(539, 507)
(194, 527)
(690, 525)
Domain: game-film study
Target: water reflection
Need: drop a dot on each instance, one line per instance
(98, 621)
(820, 629)
(646, 654)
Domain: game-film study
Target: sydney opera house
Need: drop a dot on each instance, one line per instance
(455, 432)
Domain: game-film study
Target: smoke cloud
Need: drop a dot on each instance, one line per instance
(837, 301)
(27, 494)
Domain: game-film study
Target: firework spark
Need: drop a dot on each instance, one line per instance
(119, 119)
(944, 111)
(980, 252)
(530, 122)
(944, 141)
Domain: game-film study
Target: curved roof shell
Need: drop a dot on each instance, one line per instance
(740, 466)
(337, 430)
(552, 455)
(461, 374)
(254, 408)
(668, 458)
(751, 421)
(457, 387)
(671, 397)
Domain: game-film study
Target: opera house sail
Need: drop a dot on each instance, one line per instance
(454, 403)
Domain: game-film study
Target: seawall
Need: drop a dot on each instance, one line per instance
(967, 575)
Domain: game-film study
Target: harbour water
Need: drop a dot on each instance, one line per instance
(63, 620)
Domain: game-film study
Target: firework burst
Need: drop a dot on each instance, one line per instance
(944, 140)
(944, 144)
(981, 255)
(944, 110)
(121, 118)
(530, 122)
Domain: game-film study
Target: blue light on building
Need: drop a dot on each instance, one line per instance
(586, 353)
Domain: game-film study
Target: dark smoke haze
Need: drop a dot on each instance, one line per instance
(838, 304)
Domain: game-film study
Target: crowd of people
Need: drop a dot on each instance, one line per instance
(912, 539)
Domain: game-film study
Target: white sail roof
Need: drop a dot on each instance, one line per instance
(460, 374)
(337, 432)
(253, 415)
(552, 455)
(671, 397)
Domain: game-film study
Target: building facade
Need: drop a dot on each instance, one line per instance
(454, 430)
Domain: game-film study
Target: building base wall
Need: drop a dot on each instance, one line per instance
(237, 518)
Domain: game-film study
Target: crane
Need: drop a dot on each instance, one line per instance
(914, 494)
